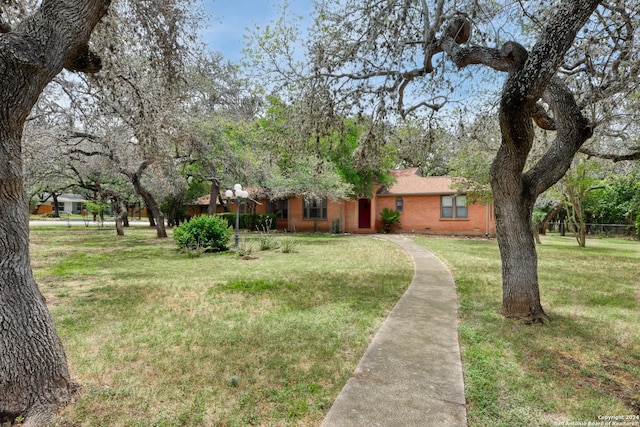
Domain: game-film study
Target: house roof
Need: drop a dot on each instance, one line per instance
(411, 182)
(205, 200)
(65, 197)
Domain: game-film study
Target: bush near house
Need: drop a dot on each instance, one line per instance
(390, 218)
(208, 233)
(250, 221)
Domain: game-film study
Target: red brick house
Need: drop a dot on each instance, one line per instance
(427, 205)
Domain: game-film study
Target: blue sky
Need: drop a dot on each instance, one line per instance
(230, 19)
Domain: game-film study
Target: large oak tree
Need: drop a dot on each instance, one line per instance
(34, 379)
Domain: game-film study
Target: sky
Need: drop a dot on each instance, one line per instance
(229, 20)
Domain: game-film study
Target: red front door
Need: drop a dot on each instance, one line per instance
(364, 213)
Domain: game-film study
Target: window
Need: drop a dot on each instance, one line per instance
(245, 206)
(280, 208)
(399, 204)
(453, 207)
(315, 208)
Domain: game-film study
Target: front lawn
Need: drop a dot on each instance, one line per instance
(581, 367)
(157, 337)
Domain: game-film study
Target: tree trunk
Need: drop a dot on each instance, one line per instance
(152, 220)
(513, 201)
(121, 209)
(121, 217)
(174, 215)
(152, 206)
(34, 379)
(542, 227)
(125, 220)
(213, 197)
(514, 232)
(56, 207)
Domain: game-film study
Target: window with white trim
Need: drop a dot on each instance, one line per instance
(453, 207)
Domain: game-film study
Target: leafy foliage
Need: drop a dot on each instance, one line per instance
(390, 218)
(617, 202)
(210, 233)
(249, 221)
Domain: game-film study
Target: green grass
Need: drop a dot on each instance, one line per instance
(156, 337)
(584, 364)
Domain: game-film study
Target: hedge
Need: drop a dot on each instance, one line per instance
(250, 221)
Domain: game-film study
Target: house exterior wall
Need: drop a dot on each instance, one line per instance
(297, 222)
(351, 217)
(43, 209)
(64, 206)
(421, 214)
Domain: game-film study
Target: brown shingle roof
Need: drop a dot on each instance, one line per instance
(204, 201)
(410, 182)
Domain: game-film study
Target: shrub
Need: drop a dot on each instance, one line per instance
(266, 241)
(389, 218)
(208, 233)
(249, 221)
(245, 248)
(287, 245)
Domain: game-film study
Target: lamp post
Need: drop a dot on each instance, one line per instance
(238, 193)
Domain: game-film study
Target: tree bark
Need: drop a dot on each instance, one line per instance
(174, 216)
(149, 200)
(56, 207)
(152, 220)
(33, 369)
(121, 217)
(34, 379)
(214, 192)
(121, 209)
(542, 227)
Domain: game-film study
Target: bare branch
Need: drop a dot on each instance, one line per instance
(633, 156)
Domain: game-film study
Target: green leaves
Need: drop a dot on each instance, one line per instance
(208, 233)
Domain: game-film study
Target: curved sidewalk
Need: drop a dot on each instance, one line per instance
(411, 374)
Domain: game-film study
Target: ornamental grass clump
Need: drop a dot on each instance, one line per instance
(203, 233)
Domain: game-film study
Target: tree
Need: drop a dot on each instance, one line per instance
(384, 56)
(33, 367)
(574, 189)
(134, 113)
(617, 201)
(531, 77)
(223, 106)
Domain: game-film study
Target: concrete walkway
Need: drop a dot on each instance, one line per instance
(411, 374)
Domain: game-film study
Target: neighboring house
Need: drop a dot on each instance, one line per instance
(427, 205)
(67, 203)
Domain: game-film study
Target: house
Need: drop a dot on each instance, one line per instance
(67, 203)
(430, 205)
(427, 205)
